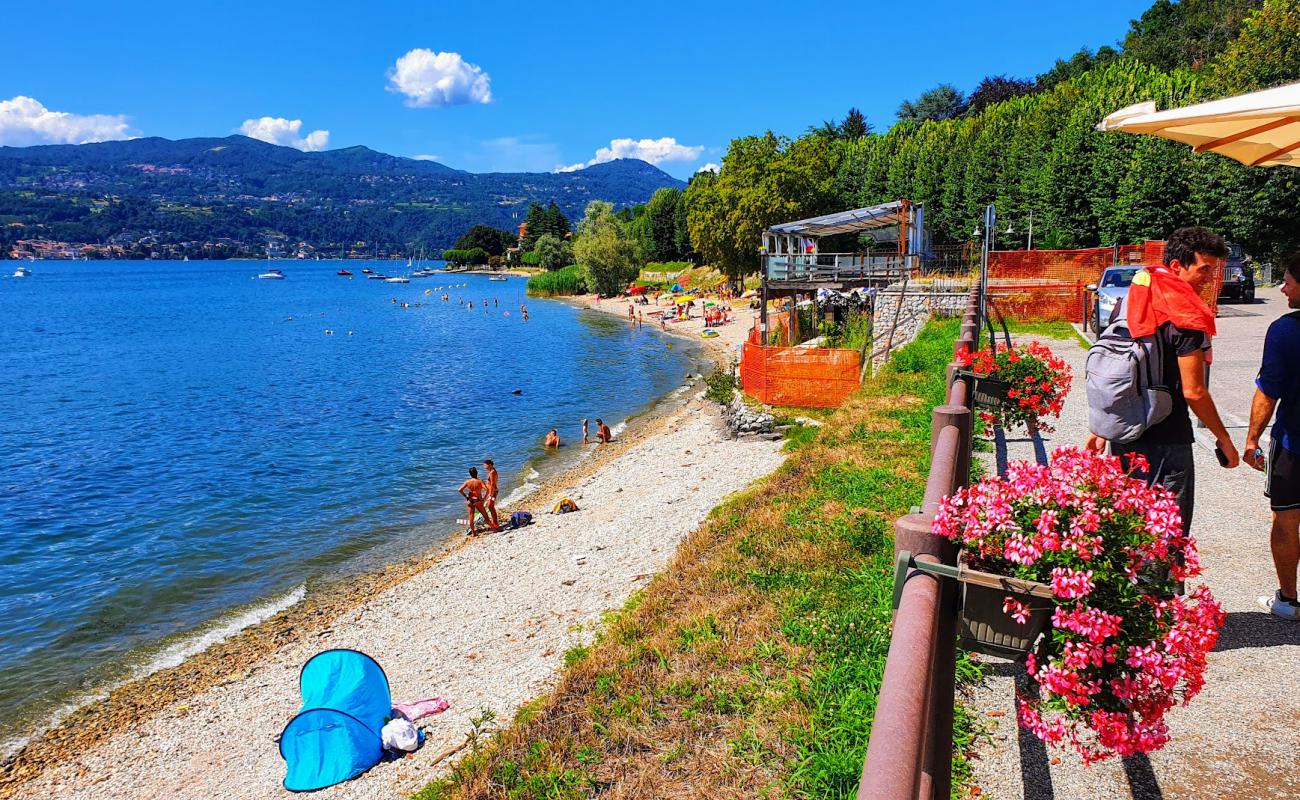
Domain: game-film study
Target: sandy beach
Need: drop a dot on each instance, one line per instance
(484, 624)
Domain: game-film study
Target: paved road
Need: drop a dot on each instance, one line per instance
(1239, 738)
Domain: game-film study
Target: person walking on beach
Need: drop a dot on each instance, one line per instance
(1163, 301)
(585, 440)
(603, 434)
(493, 486)
(1278, 387)
(553, 438)
(474, 491)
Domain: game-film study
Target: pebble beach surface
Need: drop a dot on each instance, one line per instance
(485, 628)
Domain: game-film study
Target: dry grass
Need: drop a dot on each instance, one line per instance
(750, 666)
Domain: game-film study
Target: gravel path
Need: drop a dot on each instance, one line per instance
(1240, 736)
(486, 628)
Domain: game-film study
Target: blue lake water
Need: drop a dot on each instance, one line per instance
(181, 440)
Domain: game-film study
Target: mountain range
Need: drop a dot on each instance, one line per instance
(219, 197)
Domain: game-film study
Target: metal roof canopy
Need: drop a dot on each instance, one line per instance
(858, 219)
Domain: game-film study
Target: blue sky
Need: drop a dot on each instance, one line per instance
(526, 87)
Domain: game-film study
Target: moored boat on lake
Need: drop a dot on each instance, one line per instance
(272, 275)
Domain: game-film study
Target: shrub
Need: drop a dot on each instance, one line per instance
(531, 259)
(565, 281)
(722, 383)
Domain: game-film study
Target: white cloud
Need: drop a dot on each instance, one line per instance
(709, 167)
(278, 130)
(438, 79)
(654, 151)
(426, 158)
(24, 121)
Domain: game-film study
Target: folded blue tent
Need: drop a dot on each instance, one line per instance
(336, 735)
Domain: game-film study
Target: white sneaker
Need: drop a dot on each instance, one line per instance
(1280, 607)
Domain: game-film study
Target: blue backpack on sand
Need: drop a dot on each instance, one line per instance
(520, 518)
(336, 736)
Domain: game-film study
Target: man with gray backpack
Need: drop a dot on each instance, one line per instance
(1146, 372)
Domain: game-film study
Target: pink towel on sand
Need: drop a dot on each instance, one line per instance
(422, 708)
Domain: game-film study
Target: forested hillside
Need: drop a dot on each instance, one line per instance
(1030, 146)
(145, 194)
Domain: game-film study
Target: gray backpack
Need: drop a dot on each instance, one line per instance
(1125, 381)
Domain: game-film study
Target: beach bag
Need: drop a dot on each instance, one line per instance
(1125, 384)
(520, 518)
(399, 735)
(564, 506)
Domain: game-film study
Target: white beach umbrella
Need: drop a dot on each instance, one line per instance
(1260, 129)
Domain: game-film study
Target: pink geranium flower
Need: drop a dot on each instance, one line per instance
(1124, 648)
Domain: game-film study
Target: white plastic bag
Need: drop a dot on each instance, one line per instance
(400, 734)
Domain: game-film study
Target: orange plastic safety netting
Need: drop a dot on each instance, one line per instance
(1051, 285)
(811, 377)
(1045, 285)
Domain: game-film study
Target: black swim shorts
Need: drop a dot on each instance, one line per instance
(1282, 484)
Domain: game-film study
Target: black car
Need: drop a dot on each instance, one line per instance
(1238, 278)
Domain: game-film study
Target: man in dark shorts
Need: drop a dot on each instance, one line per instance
(1278, 386)
(1163, 302)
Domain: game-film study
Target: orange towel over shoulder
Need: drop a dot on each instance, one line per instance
(1158, 296)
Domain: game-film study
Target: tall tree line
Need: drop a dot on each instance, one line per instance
(1033, 147)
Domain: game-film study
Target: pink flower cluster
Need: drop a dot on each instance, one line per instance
(1039, 380)
(1124, 647)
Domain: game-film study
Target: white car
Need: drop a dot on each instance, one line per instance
(1110, 289)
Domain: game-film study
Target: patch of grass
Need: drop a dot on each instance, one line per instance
(750, 667)
(1046, 330)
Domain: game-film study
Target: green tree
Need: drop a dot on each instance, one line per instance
(605, 251)
(493, 240)
(997, 89)
(553, 253)
(1076, 65)
(554, 222)
(534, 226)
(942, 102)
(1187, 33)
(658, 226)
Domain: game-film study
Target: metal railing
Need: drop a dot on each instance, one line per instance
(836, 266)
(910, 752)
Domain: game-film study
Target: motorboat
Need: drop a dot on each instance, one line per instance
(376, 277)
(397, 279)
(22, 272)
(497, 278)
(422, 273)
(367, 271)
(344, 272)
(272, 275)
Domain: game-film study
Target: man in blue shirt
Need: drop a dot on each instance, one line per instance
(1278, 386)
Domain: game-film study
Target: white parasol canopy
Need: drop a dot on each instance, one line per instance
(1260, 129)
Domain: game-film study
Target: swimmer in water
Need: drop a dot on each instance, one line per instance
(553, 439)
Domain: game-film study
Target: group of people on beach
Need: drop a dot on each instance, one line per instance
(1164, 302)
(480, 494)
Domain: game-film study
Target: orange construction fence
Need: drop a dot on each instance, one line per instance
(811, 377)
(1051, 285)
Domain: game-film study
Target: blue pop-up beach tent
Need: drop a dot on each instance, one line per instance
(336, 735)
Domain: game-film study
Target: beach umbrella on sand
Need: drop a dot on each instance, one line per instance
(686, 298)
(750, 293)
(1260, 129)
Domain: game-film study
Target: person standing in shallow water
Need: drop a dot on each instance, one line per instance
(585, 440)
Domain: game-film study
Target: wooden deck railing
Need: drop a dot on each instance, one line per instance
(910, 752)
